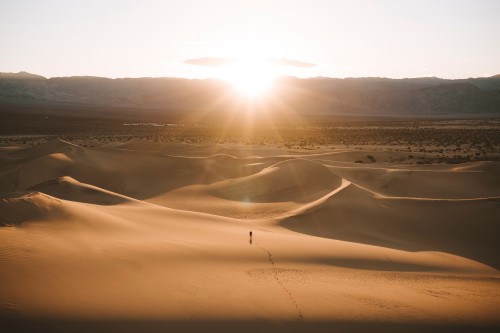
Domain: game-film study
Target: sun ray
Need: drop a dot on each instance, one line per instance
(251, 77)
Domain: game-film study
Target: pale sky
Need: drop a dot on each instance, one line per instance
(124, 38)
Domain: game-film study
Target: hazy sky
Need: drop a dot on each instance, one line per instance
(122, 38)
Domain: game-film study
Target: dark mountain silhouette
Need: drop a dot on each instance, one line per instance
(21, 76)
(429, 96)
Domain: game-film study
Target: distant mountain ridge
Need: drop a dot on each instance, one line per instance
(21, 76)
(426, 96)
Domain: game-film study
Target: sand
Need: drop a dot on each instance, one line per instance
(150, 237)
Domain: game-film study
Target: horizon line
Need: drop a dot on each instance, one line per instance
(219, 79)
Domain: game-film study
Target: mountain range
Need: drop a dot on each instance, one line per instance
(428, 96)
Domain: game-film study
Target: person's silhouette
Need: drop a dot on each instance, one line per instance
(250, 236)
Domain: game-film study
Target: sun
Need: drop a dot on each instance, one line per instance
(251, 77)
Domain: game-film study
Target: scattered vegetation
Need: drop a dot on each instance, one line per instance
(428, 141)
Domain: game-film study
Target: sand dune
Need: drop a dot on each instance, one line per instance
(156, 237)
(273, 192)
(285, 181)
(70, 189)
(47, 148)
(20, 207)
(454, 183)
(414, 225)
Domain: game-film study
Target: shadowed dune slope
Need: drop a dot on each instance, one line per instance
(137, 174)
(292, 180)
(47, 148)
(481, 166)
(70, 189)
(465, 228)
(473, 181)
(197, 150)
(19, 207)
(275, 191)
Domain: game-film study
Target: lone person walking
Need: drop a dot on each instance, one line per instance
(250, 236)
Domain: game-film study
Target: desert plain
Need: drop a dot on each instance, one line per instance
(145, 234)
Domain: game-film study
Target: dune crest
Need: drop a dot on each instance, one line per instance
(20, 207)
(70, 189)
(285, 181)
(414, 225)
